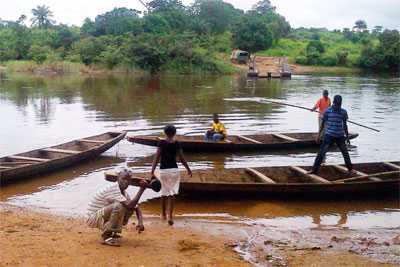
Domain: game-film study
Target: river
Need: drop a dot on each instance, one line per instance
(42, 111)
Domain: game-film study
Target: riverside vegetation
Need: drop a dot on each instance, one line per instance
(172, 37)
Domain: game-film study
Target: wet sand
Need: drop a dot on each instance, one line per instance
(31, 238)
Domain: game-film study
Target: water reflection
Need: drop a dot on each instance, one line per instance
(43, 111)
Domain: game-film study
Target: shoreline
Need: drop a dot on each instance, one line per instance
(36, 238)
(66, 68)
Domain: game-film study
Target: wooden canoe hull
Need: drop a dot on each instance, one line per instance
(284, 181)
(373, 189)
(197, 144)
(12, 175)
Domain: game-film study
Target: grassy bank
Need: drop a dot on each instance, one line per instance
(57, 67)
(220, 65)
(296, 49)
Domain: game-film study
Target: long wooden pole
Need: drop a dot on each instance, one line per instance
(296, 106)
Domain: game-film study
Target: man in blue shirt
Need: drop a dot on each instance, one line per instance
(334, 122)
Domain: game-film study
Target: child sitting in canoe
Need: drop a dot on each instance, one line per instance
(217, 131)
(111, 207)
(167, 152)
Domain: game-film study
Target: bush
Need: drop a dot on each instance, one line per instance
(38, 53)
(313, 57)
(342, 57)
(110, 57)
(329, 60)
(315, 45)
(302, 60)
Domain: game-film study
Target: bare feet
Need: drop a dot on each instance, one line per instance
(170, 220)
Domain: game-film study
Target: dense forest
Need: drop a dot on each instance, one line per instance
(170, 36)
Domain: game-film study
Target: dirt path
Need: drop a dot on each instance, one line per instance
(266, 64)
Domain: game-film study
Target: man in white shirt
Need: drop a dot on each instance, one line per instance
(111, 207)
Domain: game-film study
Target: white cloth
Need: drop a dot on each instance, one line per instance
(106, 196)
(96, 219)
(170, 180)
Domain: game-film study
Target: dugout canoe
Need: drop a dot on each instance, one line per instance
(377, 179)
(44, 160)
(273, 141)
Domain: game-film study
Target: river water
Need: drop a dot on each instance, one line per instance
(41, 111)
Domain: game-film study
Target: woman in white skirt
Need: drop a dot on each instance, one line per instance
(167, 152)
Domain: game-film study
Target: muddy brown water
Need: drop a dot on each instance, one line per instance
(42, 111)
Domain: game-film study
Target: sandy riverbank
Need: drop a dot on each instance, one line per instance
(35, 239)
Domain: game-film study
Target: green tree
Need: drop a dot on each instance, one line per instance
(8, 47)
(390, 45)
(360, 25)
(42, 17)
(39, 53)
(213, 16)
(155, 23)
(111, 56)
(148, 52)
(89, 48)
(263, 7)
(252, 34)
(88, 27)
(277, 24)
(173, 11)
(315, 45)
(22, 37)
(377, 30)
(65, 36)
(115, 22)
(371, 57)
(342, 57)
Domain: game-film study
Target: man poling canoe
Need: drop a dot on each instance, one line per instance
(335, 120)
(296, 106)
(322, 104)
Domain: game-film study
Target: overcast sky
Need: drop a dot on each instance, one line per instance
(333, 14)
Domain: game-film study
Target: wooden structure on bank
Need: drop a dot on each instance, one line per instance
(39, 161)
(269, 67)
(377, 179)
(272, 141)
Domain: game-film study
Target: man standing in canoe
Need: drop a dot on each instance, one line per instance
(217, 131)
(335, 123)
(322, 104)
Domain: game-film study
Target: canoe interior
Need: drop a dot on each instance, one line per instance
(283, 175)
(262, 138)
(237, 140)
(76, 145)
